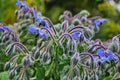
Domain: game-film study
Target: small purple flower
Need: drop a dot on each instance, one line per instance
(111, 55)
(102, 60)
(32, 29)
(5, 28)
(40, 20)
(101, 53)
(38, 31)
(75, 59)
(99, 21)
(23, 5)
(27, 60)
(45, 23)
(35, 15)
(43, 34)
(76, 35)
(18, 2)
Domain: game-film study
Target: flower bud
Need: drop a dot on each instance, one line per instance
(84, 13)
(88, 33)
(10, 49)
(46, 58)
(71, 47)
(119, 68)
(40, 42)
(27, 15)
(5, 38)
(76, 22)
(7, 66)
(96, 29)
(12, 74)
(81, 39)
(57, 26)
(114, 46)
(37, 54)
(61, 18)
(16, 12)
(27, 60)
(75, 59)
(34, 49)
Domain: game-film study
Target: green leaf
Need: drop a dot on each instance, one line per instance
(60, 50)
(64, 63)
(108, 78)
(20, 57)
(4, 76)
(40, 73)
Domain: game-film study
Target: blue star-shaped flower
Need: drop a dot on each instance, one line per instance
(101, 53)
(99, 21)
(32, 29)
(5, 28)
(76, 35)
(38, 31)
(111, 56)
(23, 5)
(40, 20)
(18, 2)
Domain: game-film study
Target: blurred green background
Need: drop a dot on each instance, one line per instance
(52, 9)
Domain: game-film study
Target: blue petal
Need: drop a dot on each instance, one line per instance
(32, 29)
(6, 28)
(43, 34)
(110, 53)
(116, 58)
(35, 14)
(99, 21)
(76, 35)
(1, 29)
(18, 3)
(101, 53)
(102, 60)
(110, 57)
(104, 20)
(46, 24)
(24, 6)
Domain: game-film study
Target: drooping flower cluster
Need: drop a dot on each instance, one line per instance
(68, 51)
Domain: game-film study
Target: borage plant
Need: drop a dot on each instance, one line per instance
(41, 50)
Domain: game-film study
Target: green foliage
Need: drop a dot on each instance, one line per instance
(58, 61)
(4, 76)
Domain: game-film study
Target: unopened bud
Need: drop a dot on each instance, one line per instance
(84, 13)
(61, 18)
(12, 74)
(114, 46)
(96, 29)
(36, 54)
(16, 12)
(76, 22)
(10, 49)
(7, 66)
(88, 33)
(40, 42)
(27, 60)
(71, 47)
(81, 39)
(34, 49)
(27, 15)
(75, 59)
(46, 57)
